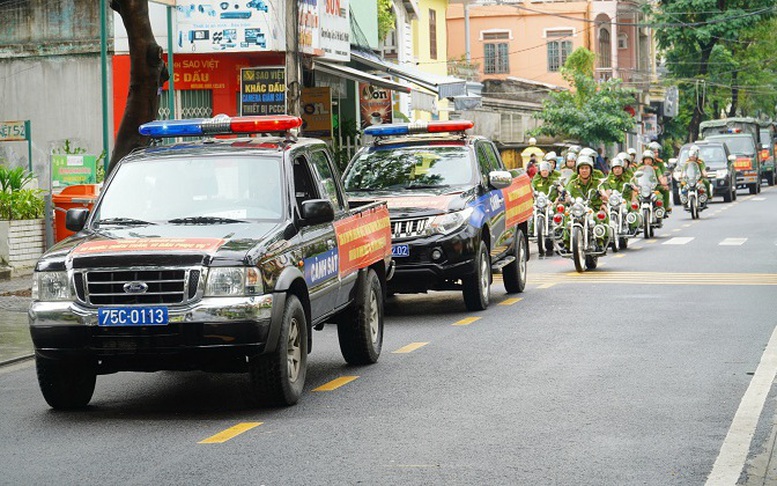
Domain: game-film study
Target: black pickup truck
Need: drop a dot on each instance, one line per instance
(219, 255)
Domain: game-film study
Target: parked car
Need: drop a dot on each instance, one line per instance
(720, 169)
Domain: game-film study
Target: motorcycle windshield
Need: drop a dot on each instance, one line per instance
(647, 181)
(692, 173)
(566, 174)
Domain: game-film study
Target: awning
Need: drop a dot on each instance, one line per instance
(356, 75)
(442, 86)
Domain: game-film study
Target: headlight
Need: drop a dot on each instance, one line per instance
(450, 222)
(577, 210)
(542, 201)
(233, 281)
(721, 173)
(615, 200)
(51, 286)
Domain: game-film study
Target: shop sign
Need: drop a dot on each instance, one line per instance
(317, 112)
(310, 26)
(263, 91)
(13, 131)
(375, 105)
(335, 30)
(69, 170)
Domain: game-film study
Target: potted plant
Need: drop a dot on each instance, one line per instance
(22, 238)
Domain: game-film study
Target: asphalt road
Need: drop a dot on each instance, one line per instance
(629, 374)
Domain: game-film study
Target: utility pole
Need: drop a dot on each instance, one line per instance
(293, 77)
(467, 47)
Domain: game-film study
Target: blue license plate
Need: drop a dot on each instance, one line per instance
(132, 316)
(399, 251)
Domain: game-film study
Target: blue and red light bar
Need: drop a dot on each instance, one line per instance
(418, 127)
(219, 125)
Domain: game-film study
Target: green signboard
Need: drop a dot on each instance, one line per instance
(70, 170)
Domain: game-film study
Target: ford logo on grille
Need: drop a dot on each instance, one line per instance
(135, 287)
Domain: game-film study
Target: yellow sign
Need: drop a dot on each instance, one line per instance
(317, 112)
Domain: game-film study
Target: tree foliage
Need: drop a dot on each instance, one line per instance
(714, 50)
(386, 18)
(590, 112)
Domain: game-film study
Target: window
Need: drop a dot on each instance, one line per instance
(605, 50)
(304, 188)
(432, 34)
(328, 184)
(496, 53)
(559, 48)
(623, 41)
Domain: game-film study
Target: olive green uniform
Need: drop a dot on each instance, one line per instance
(705, 180)
(546, 185)
(660, 170)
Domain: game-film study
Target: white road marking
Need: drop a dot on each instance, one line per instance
(733, 454)
(759, 199)
(733, 242)
(678, 240)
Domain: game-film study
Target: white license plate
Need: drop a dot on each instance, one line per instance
(132, 316)
(400, 251)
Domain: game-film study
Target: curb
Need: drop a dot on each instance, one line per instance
(16, 360)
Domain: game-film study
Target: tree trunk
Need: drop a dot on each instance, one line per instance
(734, 95)
(698, 109)
(148, 73)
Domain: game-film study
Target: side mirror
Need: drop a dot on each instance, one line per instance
(316, 211)
(499, 179)
(732, 158)
(75, 219)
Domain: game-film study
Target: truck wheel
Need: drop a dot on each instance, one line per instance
(360, 331)
(477, 287)
(66, 384)
(770, 178)
(514, 274)
(277, 378)
(729, 195)
(753, 188)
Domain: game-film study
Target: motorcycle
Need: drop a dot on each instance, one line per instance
(625, 224)
(578, 231)
(540, 228)
(650, 201)
(693, 194)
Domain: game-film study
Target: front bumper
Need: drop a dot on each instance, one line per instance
(419, 272)
(211, 334)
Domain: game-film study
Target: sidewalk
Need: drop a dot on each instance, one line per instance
(15, 339)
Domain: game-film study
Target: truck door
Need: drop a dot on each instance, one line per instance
(494, 203)
(319, 247)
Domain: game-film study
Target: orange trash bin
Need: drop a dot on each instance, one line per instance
(78, 196)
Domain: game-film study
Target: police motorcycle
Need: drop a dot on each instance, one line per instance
(650, 201)
(577, 231)
(625, 224)
(541, 222)
(693, 195)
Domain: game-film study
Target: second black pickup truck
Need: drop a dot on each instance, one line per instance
(218, 255)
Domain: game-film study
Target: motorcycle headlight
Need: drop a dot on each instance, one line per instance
(721, 173)
(615, 200)
(542, 202)
(51, 287)
(450, 222)
(578, 210)
(233, 282)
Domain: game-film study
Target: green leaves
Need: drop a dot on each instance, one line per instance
(590, 112)
(15, 201)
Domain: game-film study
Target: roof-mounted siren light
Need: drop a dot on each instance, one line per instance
(451, 126)
(220, 125)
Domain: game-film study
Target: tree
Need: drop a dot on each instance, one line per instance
(148, 73)
(698, 37)
(590, 112)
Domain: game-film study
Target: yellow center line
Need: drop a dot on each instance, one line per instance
(230, 433)
(466, 321)
(546, 285)
(335, 384)
(651, 241)
(511, 301)
(619, 255)
(409, 348)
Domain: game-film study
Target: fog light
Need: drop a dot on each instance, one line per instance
(683, 198)
(702, 198)
(660, 213)
(436, 254)
(600, 230)
(631, 218)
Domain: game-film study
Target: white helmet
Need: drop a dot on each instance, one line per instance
(584, 160)
(550, 155)
(655, 147)
(693, 151)
(648, 154)
(571, 156)
(575, 148)
(544, 165)
(532, 141)
(633, 153)
(624, 156)
(617, 161)
(588, 151)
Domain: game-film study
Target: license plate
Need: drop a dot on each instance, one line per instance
(399, 251)
(132, 316)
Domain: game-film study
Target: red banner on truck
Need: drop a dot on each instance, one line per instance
(363, 239)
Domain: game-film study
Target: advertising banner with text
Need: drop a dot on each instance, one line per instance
(263, 91)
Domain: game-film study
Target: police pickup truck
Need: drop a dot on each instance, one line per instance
(217, 255)
(456, 214)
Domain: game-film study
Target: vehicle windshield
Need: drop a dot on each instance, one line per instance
(714, 156)
(766, 140)
(194, 190)
(408, 167)
(692, 172)
(740, 145)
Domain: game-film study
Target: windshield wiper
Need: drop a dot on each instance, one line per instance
(124, 221)
(204, 220)
(427, 186)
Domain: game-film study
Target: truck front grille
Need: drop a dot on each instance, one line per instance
(408, 228)
(162, 286)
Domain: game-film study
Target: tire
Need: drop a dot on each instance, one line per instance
(578, 252)
(277, 378)
(360, 332)
(477, 287)
(549, 250)
(646, 227)
(623, 243)
(66, 384)
(770, 178)
(729, 195)
(540, 232)
(694, 209)
(734, 192)
(758, 186)
(753, 188)
(514, 274)
(591, 262)
(676, 197)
